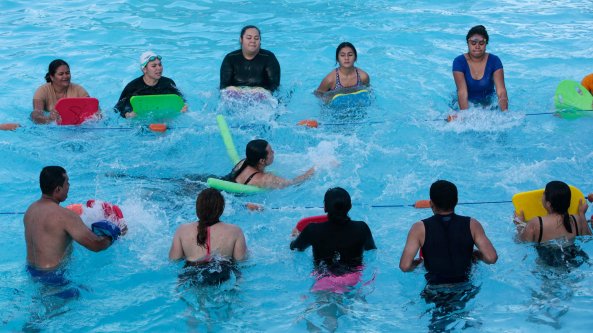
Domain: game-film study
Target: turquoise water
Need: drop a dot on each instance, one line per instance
(389, 155)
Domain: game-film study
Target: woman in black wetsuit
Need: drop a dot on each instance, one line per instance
(250, 66)
(152, 82)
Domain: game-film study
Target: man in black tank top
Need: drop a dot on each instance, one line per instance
(446, 240)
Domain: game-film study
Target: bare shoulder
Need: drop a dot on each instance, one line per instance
(363, 74)
(418, 228)
(330, 77)
(231, 228)
(328, 81)
(187, 228)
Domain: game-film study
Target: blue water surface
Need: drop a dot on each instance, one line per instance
(385, 155)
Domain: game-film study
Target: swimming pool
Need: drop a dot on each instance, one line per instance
(389, 155)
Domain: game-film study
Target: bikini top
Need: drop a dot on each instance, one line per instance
(232, 176)
(339, 84)
(541, 227)
(249, 178)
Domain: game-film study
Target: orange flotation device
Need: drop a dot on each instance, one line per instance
(90, 212)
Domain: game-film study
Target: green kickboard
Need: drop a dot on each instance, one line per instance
(572, 96)
(162, 106)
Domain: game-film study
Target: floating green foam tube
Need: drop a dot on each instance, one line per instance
(231, 187)
(227, 139)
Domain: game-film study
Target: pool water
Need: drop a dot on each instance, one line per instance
(386, 156)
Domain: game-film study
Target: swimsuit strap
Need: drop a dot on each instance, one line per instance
(338, 83)
(541, 229)
(249, 178)
(576, 226)
(358, 82)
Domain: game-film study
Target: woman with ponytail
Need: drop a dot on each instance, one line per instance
(209, 245)
(338, 244)
(251, 170)
(58, 86)
(557, 225)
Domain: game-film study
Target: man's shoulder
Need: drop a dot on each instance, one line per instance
(45, 214)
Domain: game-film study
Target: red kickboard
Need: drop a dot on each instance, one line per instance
(300, 226)
(75, 111)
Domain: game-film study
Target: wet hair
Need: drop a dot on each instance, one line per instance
(557, 193)
(337, 204)
(250, 27)
(478, 30)
(50, 178)
(443, 195)
(343, 45)
(254, 151)
(53, 67)
(209, 208)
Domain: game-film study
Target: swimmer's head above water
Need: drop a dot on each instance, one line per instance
(250, 41)
(53, 68)
(478, 30)
(443, 195)
(556, 199)
(345, 45)
(54, 183)
(337, 204)
(258, 151)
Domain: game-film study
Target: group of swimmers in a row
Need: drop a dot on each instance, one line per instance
(448, 243)
(337, 244)
(478, 76)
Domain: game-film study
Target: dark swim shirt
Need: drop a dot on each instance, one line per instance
(138, 87)
(336, 247)
(261, 71)
(448, 248)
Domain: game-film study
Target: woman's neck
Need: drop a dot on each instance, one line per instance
(59, 90)
(476, 59)
(149, 81)
(346, 70)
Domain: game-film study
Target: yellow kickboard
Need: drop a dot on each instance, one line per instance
(530, 202)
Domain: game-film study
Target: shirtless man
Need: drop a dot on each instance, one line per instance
(50, 229)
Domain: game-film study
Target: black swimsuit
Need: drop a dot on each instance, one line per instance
(249, 178)
(541, 227)
(560, 256)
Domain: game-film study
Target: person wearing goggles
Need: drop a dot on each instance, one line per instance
(152, 82)
(477, 73)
